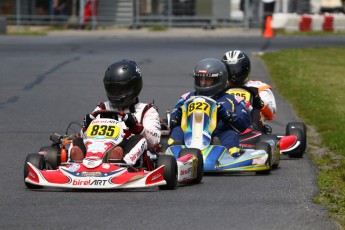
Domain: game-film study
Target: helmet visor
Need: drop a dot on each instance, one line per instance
(122, 94)
(238, 75)
(205, 80)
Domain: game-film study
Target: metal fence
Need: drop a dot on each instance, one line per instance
(142, 13)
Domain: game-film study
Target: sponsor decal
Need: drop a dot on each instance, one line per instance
(135, 156)
(104, 121)
(202, 71)
(185, 171)
(74, 167)
(156, 177)
(89, 182)
(105, 166)
(138, 153)
(88, 174)
(261, 160)
(150, 132)
(90, 162)
(32, 175)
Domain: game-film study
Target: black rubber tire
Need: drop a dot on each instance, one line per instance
(267, 137)
(52, 157)
(302, 137)
(267, 147)
(39, 162)
(200, 167)
(298, 152)
(170, 171)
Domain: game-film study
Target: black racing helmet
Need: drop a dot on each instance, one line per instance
(212, 71)
(238, 66)
(123, 83)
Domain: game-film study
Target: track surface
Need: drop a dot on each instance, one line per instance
(46, 82)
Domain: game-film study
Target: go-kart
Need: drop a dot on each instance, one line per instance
(293, 143)
(51, 167)
(199, 120)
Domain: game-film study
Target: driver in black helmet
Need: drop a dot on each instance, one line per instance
(123, 83)
(211, 79)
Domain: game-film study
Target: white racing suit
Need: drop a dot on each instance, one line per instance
(136, 144)
(264, 90)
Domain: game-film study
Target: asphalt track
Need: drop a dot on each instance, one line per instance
(47, 82)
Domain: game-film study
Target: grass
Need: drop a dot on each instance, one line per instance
(313, 81)
(158, 28)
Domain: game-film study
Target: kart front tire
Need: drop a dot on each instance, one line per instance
(170, 171)
(291, 129)
(39, 162)
(274, 138)
(200, 166)
(267, 147)
(52, 156)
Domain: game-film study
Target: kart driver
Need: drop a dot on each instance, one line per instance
(211, 79)
(123, 84)
(264, 104)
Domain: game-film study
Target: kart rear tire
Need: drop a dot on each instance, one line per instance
(200, 167)
(267, 147)
(301, 136)
(39, 162)
(52, 157)
(170, 171)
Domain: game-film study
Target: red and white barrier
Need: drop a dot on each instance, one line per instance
(309, 22)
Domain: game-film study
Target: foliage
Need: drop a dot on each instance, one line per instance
(313, 81)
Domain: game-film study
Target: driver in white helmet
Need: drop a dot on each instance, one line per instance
(264, 104)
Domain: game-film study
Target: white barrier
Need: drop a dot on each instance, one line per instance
(309, 22)
(317, 21)
(339, 22)
(292, 22)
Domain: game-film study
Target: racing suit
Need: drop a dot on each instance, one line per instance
(145, 135)
(264, 90)
(267, 108)
(227, 128)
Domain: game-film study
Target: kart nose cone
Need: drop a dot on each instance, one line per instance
(288, 143)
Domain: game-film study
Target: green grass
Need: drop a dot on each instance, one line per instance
(313, 80)
(158, 28)
(27, 33)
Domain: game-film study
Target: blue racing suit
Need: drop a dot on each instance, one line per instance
(229, 124)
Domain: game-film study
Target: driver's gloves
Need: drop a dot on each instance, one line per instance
(257, 102)
(87, 120)
(175, 117)
(132, 123)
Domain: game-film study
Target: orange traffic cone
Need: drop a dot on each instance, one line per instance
(268, 32)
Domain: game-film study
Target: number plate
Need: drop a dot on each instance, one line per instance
(103, 131)
(198, 107)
